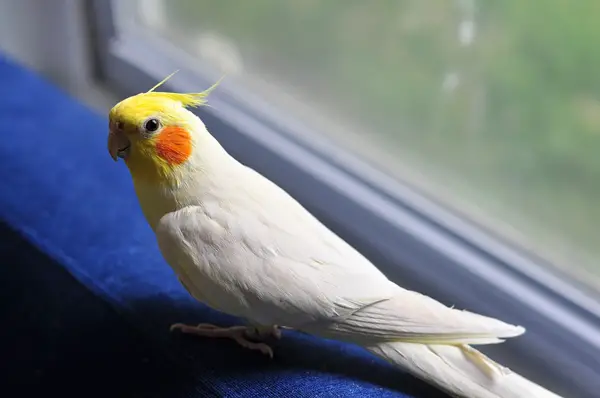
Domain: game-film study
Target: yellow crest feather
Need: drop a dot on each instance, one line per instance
(163, 81)
(186, 99)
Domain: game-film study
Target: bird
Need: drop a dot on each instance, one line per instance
(242, 245)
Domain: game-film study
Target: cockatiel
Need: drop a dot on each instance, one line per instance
(241, 245)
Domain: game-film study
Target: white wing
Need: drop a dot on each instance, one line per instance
(254, 252)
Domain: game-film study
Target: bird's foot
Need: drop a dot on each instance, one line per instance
(240, 334)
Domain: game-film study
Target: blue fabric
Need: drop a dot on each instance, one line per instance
(87, 298)
(59, 337)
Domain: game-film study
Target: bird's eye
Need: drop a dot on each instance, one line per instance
(119, 125)
(151, 125)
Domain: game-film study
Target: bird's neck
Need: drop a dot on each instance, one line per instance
(188, 186)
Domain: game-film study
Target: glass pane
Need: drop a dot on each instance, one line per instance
(492, 107)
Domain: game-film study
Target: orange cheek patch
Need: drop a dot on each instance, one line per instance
(174, 144)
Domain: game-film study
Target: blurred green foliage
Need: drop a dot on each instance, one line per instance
(522, 126)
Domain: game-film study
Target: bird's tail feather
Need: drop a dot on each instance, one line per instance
(460, 370)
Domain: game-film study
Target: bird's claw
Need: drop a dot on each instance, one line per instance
(238, 333)
(244, 342)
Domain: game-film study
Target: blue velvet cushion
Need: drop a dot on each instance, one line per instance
(87, 299)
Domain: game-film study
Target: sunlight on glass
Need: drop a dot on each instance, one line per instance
(491, 107)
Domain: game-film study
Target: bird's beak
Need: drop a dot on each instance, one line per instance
(118, 144)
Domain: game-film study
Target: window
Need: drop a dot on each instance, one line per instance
(462, 136)
(493, 108)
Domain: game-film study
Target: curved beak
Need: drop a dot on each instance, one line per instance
(118, 144)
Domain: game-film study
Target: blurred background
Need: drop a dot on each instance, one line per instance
(489, 109)
(492, 108)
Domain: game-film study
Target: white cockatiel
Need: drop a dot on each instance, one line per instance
(243, 246)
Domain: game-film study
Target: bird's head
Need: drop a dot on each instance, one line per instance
(155, 132)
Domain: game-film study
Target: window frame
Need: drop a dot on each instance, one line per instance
(397, 228)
